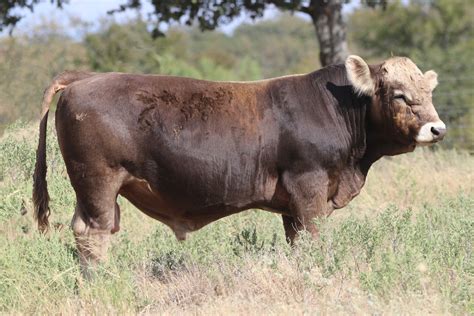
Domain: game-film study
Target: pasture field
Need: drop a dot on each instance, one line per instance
(404, 246)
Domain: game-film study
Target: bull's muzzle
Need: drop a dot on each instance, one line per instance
(431, 133)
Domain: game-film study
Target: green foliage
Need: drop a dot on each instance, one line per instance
(399, 250)
(31, 260)
(27, 66)
(282, 46)
(247, 241)
(16, 168)
(122, 48)
(268, 49)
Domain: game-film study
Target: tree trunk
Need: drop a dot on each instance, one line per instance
(330, 29)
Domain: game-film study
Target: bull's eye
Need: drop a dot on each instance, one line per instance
(400, 97)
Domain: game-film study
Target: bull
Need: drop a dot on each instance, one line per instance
(188, 152)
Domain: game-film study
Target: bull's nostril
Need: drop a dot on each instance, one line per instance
(435, 131)
(438, 132)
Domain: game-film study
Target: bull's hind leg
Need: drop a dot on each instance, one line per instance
(96, 217)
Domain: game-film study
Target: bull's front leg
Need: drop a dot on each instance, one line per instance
(308, 201)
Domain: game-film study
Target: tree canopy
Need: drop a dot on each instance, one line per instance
(326, 16)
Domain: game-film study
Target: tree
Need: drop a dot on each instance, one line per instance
(326, 16)
(9, 17)
(129, 48)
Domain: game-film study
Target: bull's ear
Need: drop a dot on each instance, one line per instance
(359, 75)
(432, 78)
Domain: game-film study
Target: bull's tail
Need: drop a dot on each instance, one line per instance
(40, 186)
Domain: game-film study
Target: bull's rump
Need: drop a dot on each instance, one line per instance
(198, 144)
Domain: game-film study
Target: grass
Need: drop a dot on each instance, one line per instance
(404, 246)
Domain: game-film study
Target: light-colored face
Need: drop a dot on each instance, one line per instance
(405, 94)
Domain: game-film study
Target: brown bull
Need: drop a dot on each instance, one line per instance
(188, 152)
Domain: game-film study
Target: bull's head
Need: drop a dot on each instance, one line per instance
(401, 95)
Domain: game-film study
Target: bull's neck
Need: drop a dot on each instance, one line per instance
(343, 107)
(331, 92)
(368, 141)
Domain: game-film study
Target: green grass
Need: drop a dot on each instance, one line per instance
(403, 246)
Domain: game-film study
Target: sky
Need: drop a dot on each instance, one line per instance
(93, 11)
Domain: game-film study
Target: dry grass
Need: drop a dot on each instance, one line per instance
(412, 180)
(263, 290)
(374, 256)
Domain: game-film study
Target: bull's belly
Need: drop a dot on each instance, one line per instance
(184, 215)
